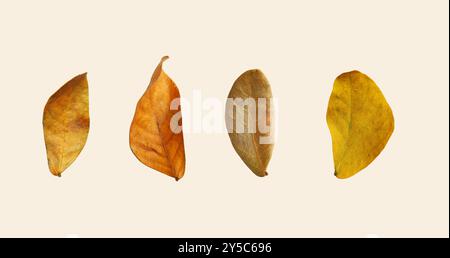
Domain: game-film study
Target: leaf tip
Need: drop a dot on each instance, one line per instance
(261, 174)
(348, 74)
(82, 75)
(164, 58)
(255, 72)
(56, 173)
(342, 175)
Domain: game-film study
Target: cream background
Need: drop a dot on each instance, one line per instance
(300, 45)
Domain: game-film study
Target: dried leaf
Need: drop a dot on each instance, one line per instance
(156, 136)
(248, 120)
(66, 124)
(360, 122)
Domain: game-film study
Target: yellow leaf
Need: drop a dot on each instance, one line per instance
(66, 124)
(156, 136)
(360, 122)
(246, 117)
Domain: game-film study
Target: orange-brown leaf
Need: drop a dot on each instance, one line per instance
(152, 139)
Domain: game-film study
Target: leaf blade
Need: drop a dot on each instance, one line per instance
(66, 123)
(250, 86)
(151, 138)
(360, 122)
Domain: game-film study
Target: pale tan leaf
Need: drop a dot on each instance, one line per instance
(251, 144)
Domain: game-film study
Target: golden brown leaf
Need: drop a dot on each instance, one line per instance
(249, 121)
(152, 139)
(66, 124)
(360, 122)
